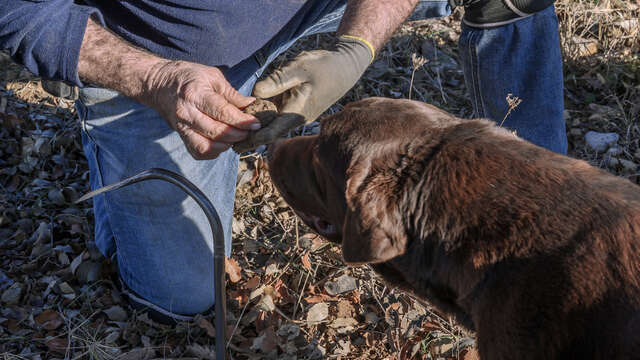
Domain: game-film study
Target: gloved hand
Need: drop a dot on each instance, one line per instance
(310, 83)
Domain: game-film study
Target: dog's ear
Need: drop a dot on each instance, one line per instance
(373, 229)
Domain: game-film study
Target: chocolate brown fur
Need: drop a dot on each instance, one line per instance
(537, 252)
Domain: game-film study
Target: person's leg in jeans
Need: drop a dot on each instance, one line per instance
(160, 237)
(522, 59)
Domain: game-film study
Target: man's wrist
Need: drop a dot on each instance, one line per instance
(363, 41)
(147, 73)
(109, 61)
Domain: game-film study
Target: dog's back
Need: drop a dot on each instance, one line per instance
(546, 248)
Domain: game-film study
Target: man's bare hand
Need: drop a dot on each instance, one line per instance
(198, 102)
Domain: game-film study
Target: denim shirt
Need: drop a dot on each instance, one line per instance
(46, 35)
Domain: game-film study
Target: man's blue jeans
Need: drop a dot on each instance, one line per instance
(162, 239)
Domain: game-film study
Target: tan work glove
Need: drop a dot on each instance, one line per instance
(310, 83)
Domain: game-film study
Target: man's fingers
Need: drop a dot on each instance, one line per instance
(210, 128)
(200, 147)
(218, 108)
(280, 81)
(236, 99)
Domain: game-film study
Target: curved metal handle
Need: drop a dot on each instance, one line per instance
(216, 230)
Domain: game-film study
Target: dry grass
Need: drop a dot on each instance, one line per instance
(282, 269)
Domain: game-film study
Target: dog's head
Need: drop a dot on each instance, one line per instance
(349, 182)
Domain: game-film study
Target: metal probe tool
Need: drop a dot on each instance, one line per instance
(216, 230)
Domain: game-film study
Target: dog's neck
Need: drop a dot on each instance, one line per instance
(459, 215)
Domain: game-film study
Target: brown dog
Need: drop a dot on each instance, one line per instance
(537, 252)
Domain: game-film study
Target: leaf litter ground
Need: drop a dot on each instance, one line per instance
(290, 295)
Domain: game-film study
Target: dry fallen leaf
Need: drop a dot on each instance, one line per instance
(233, 270)
(57, 345)
(317, 313)
(315, 299)
(470, 354)
(49, 320)
(201, 352)
(241, 296)
(116, 313)
(252, 283)
(305, 262)
(207, 326)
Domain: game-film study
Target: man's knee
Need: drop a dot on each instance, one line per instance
(191, 297)
(173, 292)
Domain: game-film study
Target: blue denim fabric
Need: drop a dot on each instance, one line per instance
(161, 238)
(523, 59)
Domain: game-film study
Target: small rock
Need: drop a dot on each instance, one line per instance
(317, 313)
(116, 313)
(600, 141)
(11, 296)
(343, 284)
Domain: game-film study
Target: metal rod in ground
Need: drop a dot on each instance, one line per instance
(216, 231)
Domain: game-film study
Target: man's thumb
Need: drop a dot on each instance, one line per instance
(279, 81)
